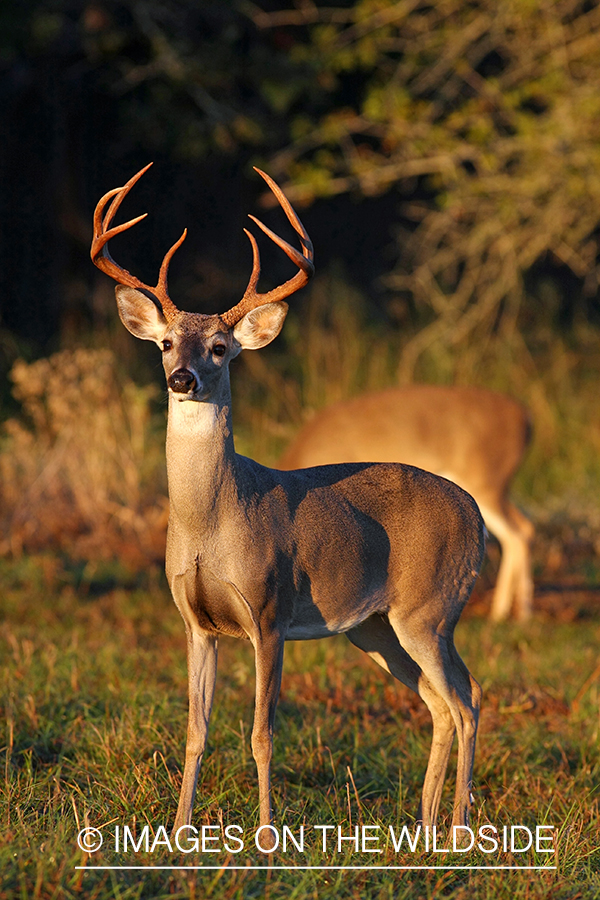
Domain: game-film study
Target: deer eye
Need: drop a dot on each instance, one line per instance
(167, 345)
(219, 349)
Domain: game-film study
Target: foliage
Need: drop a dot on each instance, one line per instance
(83, 469)
(184, 77)
(94, 686)
(483, 122)
(90, 92)
(487, 121)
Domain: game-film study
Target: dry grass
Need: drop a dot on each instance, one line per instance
(94, 677)
(82, 469)
(95, 699)
(327, 352)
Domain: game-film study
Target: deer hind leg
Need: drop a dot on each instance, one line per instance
(445, 676)
(202, 671)
(523, 580)
(377, 637)
(269, 665)
(514, 585)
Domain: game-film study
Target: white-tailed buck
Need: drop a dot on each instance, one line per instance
(387, 554)
(472, 436)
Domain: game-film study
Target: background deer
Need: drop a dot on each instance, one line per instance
(472, 436)
(386, 553)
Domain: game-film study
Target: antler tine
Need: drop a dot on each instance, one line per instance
(121, 194)
(104, 261)
(300, 259)
(304, 261)
(102, 233)
(102, 221)
(161, 287)
(290, 213)
(255, 264)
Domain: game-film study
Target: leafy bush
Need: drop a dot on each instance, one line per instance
(485, 121)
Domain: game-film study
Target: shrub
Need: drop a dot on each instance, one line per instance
(83, 468)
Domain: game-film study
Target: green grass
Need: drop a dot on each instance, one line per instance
(94, 683)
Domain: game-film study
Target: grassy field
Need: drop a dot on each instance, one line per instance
(93, 676)
(92, 655)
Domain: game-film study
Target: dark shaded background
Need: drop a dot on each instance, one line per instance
(72, 127)
(90, 92)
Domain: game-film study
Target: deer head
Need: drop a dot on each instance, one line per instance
(197, 348)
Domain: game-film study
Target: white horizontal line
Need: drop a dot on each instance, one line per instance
(327, 868)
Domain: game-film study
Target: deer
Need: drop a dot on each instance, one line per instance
(385, 553)
(470, 435)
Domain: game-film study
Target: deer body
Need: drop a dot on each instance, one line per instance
(337, 551)
(473, 436)
(386, 553)
(349, 548)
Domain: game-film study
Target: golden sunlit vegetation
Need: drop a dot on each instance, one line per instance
(486, 120)
(82, 466)
(82, 470)
(95, 699)
(458, 142)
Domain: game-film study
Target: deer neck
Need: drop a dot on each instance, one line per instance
(201, 468)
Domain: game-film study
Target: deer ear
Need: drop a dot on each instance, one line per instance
(261, 325)
(139, 314)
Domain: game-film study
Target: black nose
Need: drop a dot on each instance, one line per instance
(182, 381)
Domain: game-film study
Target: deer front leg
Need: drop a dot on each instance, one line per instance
(269, 665)
(202, 671)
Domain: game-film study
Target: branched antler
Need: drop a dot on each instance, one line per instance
(104, 231)
(104, 261)
(304, 261)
